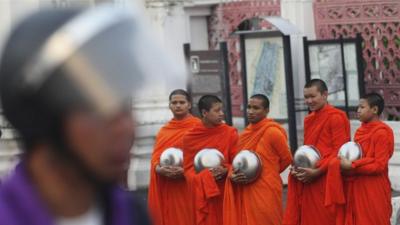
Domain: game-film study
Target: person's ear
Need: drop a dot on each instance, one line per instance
(267, 110)
(204, 113)
(375, 110)
(325, 95)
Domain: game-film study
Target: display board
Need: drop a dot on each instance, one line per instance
(209, 76)
(338, 63)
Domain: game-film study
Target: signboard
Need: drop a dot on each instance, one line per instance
(338, 63)
(266, 73)
(209, 77)
(266, 56)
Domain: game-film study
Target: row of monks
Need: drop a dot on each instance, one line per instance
(336, 192)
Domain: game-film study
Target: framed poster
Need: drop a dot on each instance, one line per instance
(266, 73)
(338, 63)
(209, 76)
(267, 69)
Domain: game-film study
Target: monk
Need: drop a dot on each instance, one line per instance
(258, 202)
(207, 186)
(367, 190)
(326, 128)
(168, 191)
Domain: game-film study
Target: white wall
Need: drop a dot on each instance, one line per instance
(5, 18)
(301, 14)
(198, 33)
(169, 24)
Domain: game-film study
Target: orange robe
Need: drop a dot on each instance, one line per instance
(167, 199)
(207, 194)
(327, 129)
(260, 202)
(366, 188)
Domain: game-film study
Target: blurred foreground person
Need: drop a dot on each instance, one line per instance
(259, 201)
(168, 192)
(66, 78)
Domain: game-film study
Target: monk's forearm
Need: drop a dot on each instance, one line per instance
(319, 172)
(371, 168)
(209, 185)
(323, 168)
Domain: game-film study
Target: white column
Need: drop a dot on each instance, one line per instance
(301, 14)
(5, 18)
(197, 27)
(167, 24)
(170, 24)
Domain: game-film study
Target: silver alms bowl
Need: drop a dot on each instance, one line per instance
(306, 156)
(208, 158)
(249, 163)
(171, 157)
(351, 151)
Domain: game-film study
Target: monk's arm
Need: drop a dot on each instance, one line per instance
(278, 142)
(340, 129)
(234, 149)
(203, 182)
(157, 151)
(377, 164)
(188, 157)
(340, 134)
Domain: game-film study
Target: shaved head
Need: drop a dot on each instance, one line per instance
(263, 98)
(375, 99)
(318, 83)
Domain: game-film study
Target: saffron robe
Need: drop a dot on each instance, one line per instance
(167, 198)
(327, 129)
(259, 202)
(206, 193)
(365, 190)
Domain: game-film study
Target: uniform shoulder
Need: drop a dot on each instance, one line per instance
(275, 131)
(337, 112)
(230, 128)
(337, 116)
(384, 131)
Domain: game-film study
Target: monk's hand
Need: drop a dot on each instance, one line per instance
(239, 178)
(219, 172)
(307, 175)
(173, 172)
(345, 164)
(293, 171)
(176, 172)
